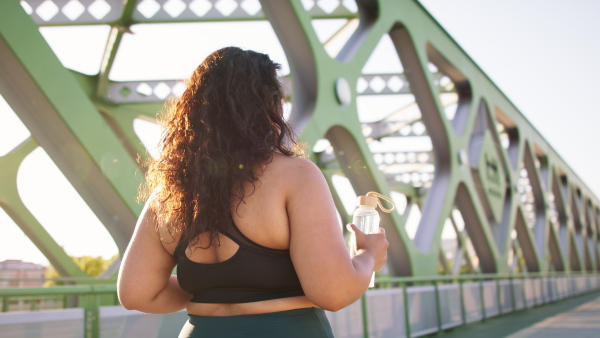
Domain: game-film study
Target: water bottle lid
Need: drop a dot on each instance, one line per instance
(370, 201)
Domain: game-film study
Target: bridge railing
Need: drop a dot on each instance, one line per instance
(428, 305)
(89, 300)
(398, 306)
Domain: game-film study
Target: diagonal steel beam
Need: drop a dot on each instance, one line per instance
(63, 120)
(12, 204)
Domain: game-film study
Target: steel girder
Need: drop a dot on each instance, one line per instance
(61, 117)
(514, 194)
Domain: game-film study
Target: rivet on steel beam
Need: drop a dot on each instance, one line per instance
(343, 91)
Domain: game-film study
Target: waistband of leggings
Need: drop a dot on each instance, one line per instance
(285, 313)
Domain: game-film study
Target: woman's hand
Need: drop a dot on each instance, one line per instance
(375, 244)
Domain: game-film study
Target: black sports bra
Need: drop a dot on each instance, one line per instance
(254, 273)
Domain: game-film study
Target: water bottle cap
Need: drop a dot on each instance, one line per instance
(370, 201)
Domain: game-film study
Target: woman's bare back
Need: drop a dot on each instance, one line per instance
(262, 218)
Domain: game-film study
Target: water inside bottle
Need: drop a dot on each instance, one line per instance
(367, 223)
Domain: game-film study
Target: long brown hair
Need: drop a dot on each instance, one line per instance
(226, 125)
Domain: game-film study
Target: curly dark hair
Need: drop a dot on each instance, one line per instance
(224, 128)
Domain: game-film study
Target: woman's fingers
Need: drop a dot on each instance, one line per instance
(375, 243)
(353, 228)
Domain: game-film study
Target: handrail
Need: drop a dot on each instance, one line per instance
(60, 279)
(60, 290)
(380, 279)
(477, 277)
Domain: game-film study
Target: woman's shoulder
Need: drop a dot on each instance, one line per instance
(292, 165)
(152, 210)
(294, 173)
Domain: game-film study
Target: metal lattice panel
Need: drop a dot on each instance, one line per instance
(59, 12)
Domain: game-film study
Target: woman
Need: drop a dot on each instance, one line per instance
(250, 224)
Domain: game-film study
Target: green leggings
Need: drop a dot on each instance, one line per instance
(298, 323)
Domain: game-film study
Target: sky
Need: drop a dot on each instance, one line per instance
(541, 53)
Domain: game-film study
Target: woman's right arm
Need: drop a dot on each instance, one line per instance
(145, 282)
(329, 277)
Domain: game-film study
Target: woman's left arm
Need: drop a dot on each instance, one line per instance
(145, 282)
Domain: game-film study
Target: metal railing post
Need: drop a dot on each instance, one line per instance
(87, 316)
(524, 293)
(438, 306)
(365, 319)
(406, 309)
(535, 297)
(544, 290)
(463, 311)
(512, 293)
(482, 295)
(96, 318)
(498, 296)
(91, 314)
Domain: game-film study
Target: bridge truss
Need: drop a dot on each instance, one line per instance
(479, 189)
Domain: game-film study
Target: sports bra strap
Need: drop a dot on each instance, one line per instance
(255, 273)
(234, 233)
(240, 239)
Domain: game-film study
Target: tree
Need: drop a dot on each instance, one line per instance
(92, 266)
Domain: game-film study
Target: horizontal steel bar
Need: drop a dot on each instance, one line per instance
(478, 277)
(59, 279)
(59, 290)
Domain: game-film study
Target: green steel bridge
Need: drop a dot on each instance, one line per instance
(490, 220)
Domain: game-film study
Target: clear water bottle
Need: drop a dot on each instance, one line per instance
(366, 218)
